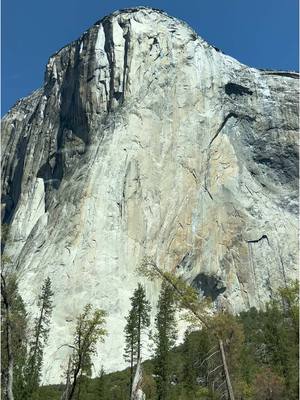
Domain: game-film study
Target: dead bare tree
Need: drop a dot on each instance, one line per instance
(189, 301)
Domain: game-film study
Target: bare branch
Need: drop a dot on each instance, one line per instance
(207, 358)
(215, 369)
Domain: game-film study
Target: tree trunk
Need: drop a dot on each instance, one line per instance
(79, 385)
(131, 370)
(74, 383)
(139, 338)
(227, 376)
(137, 393)
(10, 371)
(67, 388)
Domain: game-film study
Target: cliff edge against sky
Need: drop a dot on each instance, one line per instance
(147, 141)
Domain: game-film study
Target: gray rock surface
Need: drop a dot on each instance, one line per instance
(147, 141)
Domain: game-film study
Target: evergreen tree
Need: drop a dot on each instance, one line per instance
(130, 342)
(39, 340)
(272, 340)
(19, 345)
(280, 335)
(13, 335)
(138, 320)
(7, 361)
(199, 351)
(100, 385)
(164, 339)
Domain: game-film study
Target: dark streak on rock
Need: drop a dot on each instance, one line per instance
(283, 270)
(109, 49)
(16, 180)
(125, 65)
(230, 115)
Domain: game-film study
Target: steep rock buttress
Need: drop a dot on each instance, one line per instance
(147, 141)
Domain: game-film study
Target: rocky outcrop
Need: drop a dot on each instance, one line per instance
(147, 141)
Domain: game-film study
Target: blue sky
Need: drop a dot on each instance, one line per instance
(260, 33)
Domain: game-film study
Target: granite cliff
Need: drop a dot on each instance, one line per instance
(146, 141)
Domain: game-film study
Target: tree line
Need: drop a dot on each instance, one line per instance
(22, 345)
(249, 356)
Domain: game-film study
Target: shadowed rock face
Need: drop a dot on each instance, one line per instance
(208, 286)
(147, 141)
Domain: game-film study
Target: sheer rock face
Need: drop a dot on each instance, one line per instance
(147, 141)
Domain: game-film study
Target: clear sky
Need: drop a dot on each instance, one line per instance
(260, 33)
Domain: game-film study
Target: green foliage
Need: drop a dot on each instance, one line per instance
(164, 339)
(272, 337)
(131, 336)
(249, 339)
(89, 330)
(268, 385)
(18, 321)
(185, 295)
(288, 300)
(100, 385)
(38, 341)
(198, 354)
(138, 320)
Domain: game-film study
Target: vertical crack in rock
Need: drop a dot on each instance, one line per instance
(283, 270)
(131, 185)
(250, 252)
(257, 275)
(109, 49)
(126, 35)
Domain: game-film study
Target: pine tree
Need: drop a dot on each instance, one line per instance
(280, 335)
(13, 335)
(198, 351)
(7, 355)
(130, 342)
(138, 320)
(39, 340)
(164, 339)
(100, 385)
(19, 345)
